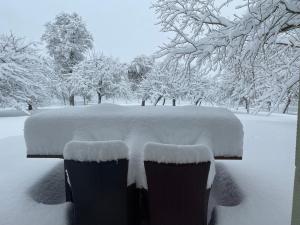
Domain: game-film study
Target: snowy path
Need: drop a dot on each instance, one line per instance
(264, 176)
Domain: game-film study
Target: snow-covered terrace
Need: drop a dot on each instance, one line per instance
(34, 188)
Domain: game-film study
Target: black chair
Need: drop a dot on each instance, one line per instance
(97, 175)
(179, 179)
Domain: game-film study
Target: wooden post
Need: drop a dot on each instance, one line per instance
(296, 200)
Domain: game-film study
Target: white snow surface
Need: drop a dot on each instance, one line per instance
(95, 151)
(46, 133)
(293, 5)
(180, 154)
(19, 175)
(265, 176)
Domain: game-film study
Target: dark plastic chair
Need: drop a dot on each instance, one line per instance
(98, 188)
(178, 192)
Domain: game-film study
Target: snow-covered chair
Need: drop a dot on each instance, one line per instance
(97, 174)
(179, 179)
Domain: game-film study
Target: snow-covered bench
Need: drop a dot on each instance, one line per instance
(46, 133)
(179, 179)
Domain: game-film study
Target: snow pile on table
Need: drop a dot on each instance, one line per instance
(46, 133)
(95, 151)
(180, 154)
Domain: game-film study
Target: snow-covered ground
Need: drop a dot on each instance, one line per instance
(23, 182)
(266, 173)
(264, 176)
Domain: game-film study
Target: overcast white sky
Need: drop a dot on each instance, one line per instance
(121, 28)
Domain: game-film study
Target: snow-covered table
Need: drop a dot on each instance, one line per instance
(46, 133)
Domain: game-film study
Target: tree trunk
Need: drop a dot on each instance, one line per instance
(84, 100)
(164, 101)
(99, 98)
(173, 102)
(29, 108)
(158, 99)
(64, 99)
(287, 105)
(143, 102)
(269, 106)
(247, 105)
(72, 100)
(198, 101)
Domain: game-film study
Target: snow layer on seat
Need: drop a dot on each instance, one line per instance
(180, 154)
(96, 151)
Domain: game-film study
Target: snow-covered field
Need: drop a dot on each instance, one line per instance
(264, 176)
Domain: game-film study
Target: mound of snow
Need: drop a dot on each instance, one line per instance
(97, 151)
(180, 154)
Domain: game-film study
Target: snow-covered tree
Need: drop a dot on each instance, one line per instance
(139, 67)
(261, 85)
(162, 82)
(151, 86)
(23, 81)
(102, 75)
(81, 82)
(242, 47)
(138, 70)
(199, 88)
(67, 39)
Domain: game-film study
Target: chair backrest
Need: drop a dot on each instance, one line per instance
(97, 173)
(179, 180)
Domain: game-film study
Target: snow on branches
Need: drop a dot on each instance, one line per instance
(67, 40)
(102, 75)
(22, 73)
(243, 46)
(138, 69)
(168, 82)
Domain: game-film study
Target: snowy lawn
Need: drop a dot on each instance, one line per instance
(264, 176)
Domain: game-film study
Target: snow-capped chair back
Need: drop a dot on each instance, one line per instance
(96, 172)
(95, 151)
(179, 179)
